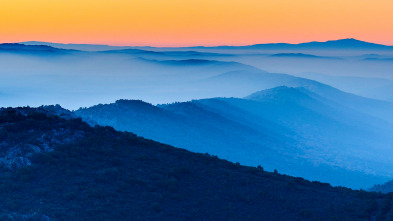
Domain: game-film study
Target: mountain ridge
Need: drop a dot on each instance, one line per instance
(31, 48)
(346, 43)
(340, 44)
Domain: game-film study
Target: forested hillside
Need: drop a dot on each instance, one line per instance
(102, 174)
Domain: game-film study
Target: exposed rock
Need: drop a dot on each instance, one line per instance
(13, 152)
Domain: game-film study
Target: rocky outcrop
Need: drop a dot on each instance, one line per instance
(20, 138)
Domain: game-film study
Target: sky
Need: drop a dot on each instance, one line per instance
(195, 22)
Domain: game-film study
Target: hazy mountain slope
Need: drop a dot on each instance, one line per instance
(329, 133)
(186, 124)
(200, 130)
(246, 82)
(376, 88)
(295, 106)
(383, 188)
(291, 129)
(242, 83)
(109, 175)
(376, 108)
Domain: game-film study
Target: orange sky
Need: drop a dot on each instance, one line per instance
(195, 22)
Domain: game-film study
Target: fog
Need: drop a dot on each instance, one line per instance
(341, 123)
(77, 78)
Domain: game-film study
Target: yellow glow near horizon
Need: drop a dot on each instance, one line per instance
(195, 22)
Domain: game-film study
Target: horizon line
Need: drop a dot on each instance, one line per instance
(190, 46)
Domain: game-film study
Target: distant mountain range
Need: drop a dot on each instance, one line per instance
(341, 44)
(40, 49)
(161, 75)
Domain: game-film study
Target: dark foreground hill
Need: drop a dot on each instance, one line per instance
(78, 172)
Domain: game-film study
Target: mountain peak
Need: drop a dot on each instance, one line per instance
(351, 41)
(347, 43)
(129, 102)
(124, 103)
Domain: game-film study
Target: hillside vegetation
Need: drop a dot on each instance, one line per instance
(102, 174)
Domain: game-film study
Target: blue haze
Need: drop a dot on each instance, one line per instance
(322, 111)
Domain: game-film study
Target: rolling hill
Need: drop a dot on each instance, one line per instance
(295, 130)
